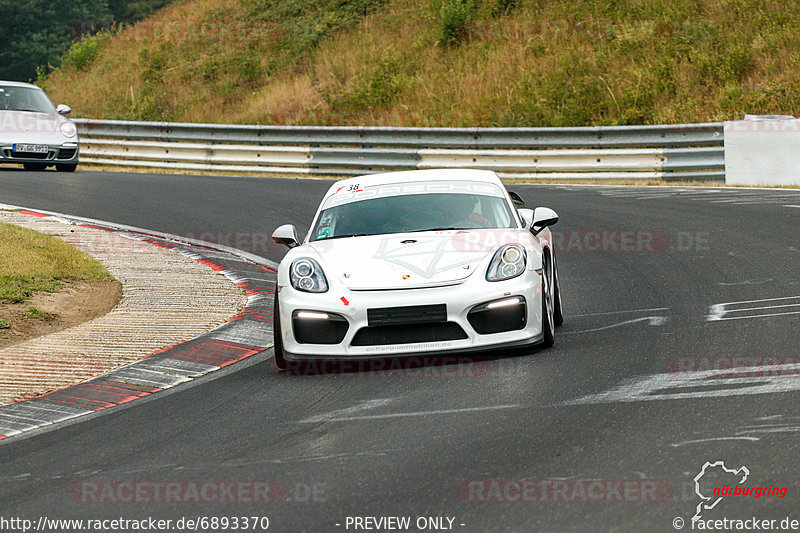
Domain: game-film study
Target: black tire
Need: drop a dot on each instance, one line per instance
(548, 322)
(558, 310)
(66, 168)
(280, 361)
(34, 166)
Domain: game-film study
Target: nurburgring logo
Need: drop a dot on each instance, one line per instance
(715, 482)
(709, 502)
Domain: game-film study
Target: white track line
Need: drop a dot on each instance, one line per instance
(425, 413)
(622, 312)
(713, 439)
(360, 406)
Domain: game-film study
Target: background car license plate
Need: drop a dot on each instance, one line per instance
(30, 148)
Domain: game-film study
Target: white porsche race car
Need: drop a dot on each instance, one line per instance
(416, 262)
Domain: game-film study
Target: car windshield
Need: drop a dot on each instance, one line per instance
(13, 98)
(413, 213)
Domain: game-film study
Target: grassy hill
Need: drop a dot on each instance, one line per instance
(441, 63)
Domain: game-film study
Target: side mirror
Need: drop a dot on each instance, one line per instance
(527, 217)
(63, 109)
(516, 199)
(286, 235)
(543, 217)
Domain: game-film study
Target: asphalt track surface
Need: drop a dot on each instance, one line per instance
(607, 434)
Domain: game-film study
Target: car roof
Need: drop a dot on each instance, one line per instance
(410, 176)
(19, 84)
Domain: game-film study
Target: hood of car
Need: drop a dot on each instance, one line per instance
(25, 126)
(404, 261)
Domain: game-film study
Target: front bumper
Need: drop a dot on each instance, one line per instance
(331, 339)
(63, 153)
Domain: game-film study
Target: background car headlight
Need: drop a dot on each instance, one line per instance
(306, 275)
(68, 129)
(508, 262)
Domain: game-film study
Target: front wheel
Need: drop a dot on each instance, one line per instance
(548, 321)
(66, 168)
(280, 362)
(558, 310)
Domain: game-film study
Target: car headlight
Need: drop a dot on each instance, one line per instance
(508, 262)
(68, 129)
(306, 275)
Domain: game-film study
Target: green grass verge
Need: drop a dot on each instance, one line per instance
(36, 313)
(31, 262)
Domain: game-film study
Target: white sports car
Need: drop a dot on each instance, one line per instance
(33, 132)
(417, 262)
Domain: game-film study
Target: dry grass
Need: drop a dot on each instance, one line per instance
(30, 262)
(524, 63)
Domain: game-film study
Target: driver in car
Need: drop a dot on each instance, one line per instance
(461, 212)
(22, 101)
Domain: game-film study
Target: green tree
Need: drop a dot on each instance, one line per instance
(36, 33)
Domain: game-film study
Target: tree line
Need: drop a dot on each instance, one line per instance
(35, 33)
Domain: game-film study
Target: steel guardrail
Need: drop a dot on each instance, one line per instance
(677, 152)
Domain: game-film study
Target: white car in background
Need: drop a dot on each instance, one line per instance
(417, 262)
(33, 132)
